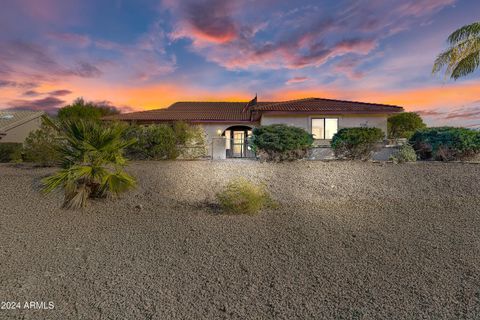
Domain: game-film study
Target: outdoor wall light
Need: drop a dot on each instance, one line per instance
(219, 132)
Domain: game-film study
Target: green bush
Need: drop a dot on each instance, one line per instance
(166, 141)
(243, 197)
(446, 143)
(356, 143)
(41, 146)
(406, 153)
(10, 152)
(403, 125)
(154, 142)
(279, 142)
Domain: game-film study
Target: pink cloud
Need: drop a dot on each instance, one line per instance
(297, 80)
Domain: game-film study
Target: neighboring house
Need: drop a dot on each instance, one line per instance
(16, 125)
(228, 124)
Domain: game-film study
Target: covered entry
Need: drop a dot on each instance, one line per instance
(237, 144)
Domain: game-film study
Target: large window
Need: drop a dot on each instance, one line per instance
(324, 128)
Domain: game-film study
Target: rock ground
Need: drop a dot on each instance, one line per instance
(350, 240)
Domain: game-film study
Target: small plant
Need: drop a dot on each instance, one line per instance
(406, 153)
(41, 146)
(279, 142)
(243, 197)
(10, 152)
(446, 143)
(356, 143)
(93, 162)
(404, 124)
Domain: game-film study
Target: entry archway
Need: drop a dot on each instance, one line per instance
(237, 143)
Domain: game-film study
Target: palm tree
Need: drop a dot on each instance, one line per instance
(463, 55)
(92, 161)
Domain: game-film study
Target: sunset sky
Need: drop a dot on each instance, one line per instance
(146, 54)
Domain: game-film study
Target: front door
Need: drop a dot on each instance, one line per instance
(238, 144)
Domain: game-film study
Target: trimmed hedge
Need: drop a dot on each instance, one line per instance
(279, 142)
(10, 152)
(356, 143)
(446, 143)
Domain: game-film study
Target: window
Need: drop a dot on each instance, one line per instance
(324, 128)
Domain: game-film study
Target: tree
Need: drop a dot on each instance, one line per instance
(463, 55)
(41, 146)
(92, 160)
(403, 125)
(80, 109)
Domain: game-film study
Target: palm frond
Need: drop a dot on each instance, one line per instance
(467, 65)
(465, 32)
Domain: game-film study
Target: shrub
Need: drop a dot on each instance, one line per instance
(10, 152)
(166, 141)
(406, 153)
(446, 143)
(403, 125)
(279, 142)
(41, 146)
(93, 162)
(356, 143)
(243, 197)
(80, 109)
(154, 142)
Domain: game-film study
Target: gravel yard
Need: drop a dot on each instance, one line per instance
(350, 240)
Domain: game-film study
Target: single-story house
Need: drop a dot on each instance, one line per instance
(15, 126)
(228, 124)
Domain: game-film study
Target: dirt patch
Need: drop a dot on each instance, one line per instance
(350, 240)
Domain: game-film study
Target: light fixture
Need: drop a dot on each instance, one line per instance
(219, 132)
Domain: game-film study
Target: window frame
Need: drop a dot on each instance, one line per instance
(324, 125)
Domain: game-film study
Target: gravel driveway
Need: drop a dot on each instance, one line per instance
(350, 240)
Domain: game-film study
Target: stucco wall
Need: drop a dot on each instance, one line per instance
(19, 133)
(344, 121)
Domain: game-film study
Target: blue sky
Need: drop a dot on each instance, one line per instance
(147, 54)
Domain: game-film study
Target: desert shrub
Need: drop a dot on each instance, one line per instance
(279, 142)
(154, 142)
(403, 125)
(166, 141)
(356, 143)
(92, 161)
(41, 146)
(80, 109)
(406, 153)
(10, 152)
(194, 144)
(241, 196)
(446, 143)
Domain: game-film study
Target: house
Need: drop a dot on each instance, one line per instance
(15, 126)
(228, 124)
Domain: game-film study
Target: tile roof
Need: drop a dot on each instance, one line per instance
(328, 106)
(234, 111)
(10, 118)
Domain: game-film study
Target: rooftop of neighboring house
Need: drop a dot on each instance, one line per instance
(197, 111)
(10, 119)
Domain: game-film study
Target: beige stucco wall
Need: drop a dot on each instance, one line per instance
(344, 121)
(19, 133)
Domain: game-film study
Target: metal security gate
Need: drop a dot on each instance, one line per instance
(238, 145)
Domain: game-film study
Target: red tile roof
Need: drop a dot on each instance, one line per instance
(328, 106)
(234, 111)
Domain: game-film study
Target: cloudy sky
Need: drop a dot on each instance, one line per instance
(146, 54)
